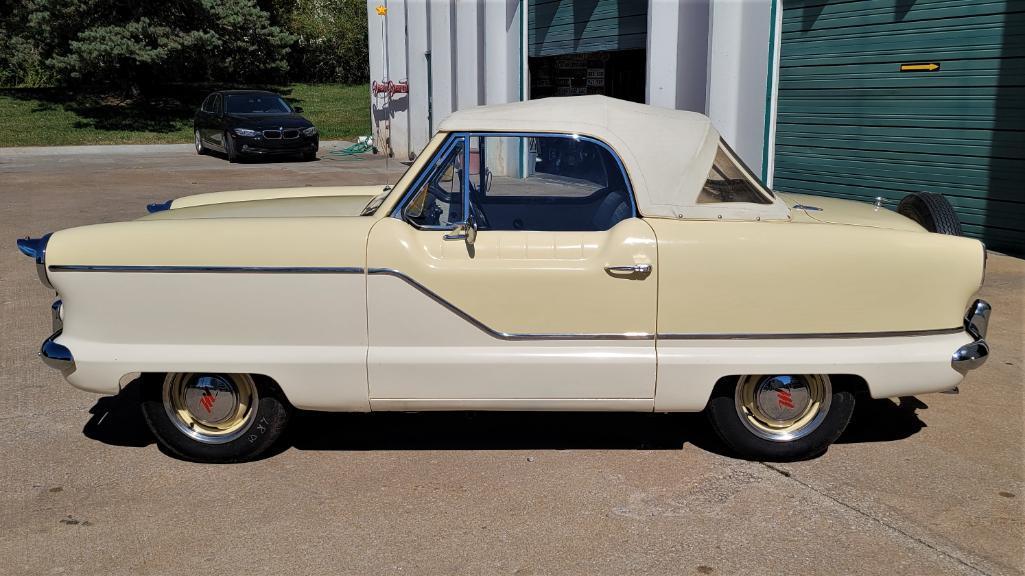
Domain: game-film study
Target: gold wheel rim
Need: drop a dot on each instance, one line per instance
(210, 408)
(783, 408)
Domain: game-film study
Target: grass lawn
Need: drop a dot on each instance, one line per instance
(52, 116)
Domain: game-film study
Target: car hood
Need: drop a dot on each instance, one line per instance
(808, 208)
(271, 202)
(265, 121)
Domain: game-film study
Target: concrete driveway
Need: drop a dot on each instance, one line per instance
(932, 485)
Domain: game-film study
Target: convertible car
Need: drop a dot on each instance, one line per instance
(563, 254)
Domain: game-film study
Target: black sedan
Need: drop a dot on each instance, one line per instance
(253, 123)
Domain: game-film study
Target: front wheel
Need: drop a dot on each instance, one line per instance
(215, 417)
(780, 417)
(229, 148)
(200, 147)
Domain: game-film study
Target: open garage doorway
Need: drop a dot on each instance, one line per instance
(619, 74)
(579, 47)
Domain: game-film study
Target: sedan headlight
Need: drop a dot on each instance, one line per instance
(246, 132)
(311, 131)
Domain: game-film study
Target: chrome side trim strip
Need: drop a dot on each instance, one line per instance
(808, 336)
(212, 269)
(495, 333)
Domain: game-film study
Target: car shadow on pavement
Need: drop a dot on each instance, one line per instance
(259, 160)
(883, 420)
(118, 421)
(500, 431)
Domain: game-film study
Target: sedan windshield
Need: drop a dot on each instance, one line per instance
(257, 104)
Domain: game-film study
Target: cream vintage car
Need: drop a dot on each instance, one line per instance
(562, 254)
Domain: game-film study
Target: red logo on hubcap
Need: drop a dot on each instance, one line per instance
(784, 398)
(207, 400)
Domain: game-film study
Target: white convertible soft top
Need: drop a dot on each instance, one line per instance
(667, 153)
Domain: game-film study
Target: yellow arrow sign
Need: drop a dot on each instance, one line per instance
(927, 67)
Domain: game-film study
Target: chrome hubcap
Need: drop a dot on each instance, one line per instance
(210, 399)
(781, 398)
(199, 143)
(210, 408)
(783, 407)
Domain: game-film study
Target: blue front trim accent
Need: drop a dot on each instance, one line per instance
(159, 206)
(34, 248)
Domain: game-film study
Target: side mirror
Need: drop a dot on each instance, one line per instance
(465, 231)
(297, 109)
(471, 230)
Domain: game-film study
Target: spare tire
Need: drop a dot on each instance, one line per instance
(932, 211)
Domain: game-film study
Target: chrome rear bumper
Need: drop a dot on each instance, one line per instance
(972, 355)
(57, 356)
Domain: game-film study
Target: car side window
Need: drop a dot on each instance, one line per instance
(208, 104)
(216, 107)
(730, 181)
(438, 203)
(546, 183)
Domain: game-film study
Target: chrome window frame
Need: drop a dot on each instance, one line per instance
(465, 137)
(428, 171)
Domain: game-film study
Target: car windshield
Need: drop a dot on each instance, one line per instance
(257, 104)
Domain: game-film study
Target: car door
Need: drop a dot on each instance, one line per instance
(548, 303)
(215, 122)
(204, 118)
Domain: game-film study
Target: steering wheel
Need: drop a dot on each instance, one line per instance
(438, 194)
(476, 209)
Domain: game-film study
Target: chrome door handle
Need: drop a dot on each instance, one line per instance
(632, 269)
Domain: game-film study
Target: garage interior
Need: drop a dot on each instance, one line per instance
(587, 47)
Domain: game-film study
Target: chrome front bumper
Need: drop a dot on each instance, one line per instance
(972, 355)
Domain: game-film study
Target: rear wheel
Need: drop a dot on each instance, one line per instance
(932, 211)
(210, 417)
(780, 417)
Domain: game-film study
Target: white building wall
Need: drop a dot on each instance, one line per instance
(386, 36)
(375, 46)
(397, 111)
(469, 54)
(710, 56)
(677, 54)
(418, 32)
(738, 70)
(475, 49)
(442, 60)
(502, 51)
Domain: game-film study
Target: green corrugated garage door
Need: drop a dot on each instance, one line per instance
(851, 124)
(558, 27)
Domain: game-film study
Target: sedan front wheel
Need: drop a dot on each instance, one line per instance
(200, 148)
(780, 416)
(229, 148)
